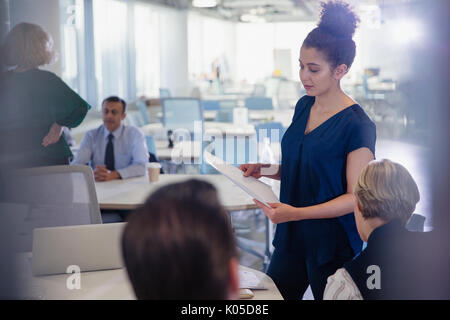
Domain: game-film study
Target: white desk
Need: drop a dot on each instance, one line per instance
(128, 194)
(283, 116)
(210, 128)
(102, 285)
(209, 115)
(184, 150)
(225, 97)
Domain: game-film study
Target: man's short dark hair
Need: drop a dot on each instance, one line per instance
(178, 245)
(116, 99)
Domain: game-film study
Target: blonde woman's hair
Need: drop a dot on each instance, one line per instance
(386, 190)
(28, 46)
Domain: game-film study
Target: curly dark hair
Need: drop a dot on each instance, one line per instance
(333, 35)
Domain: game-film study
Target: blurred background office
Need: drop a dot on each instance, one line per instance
(224, 52)
(218, 48)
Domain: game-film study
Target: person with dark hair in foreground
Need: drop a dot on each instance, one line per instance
(180, 245)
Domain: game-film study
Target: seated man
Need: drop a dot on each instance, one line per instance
(397, 263)
(114, 150)
(180, 245)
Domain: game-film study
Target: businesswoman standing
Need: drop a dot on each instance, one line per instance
(328, 143)
(36, 104)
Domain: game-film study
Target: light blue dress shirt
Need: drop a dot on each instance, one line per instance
(130, 150)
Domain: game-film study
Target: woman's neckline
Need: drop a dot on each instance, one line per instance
(330, 118)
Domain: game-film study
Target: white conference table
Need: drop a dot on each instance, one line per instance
(182, 151)
(283, 116)
(210, 129)
(223, 97)
(102, 285)
(191, 151)
(128, 194)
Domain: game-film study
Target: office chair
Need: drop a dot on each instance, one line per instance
(210, 105)
(134, 118)
(181, 113)
(224, 115)
(140, 104)
(416, 223)
(258, 103)
(225, 112)
(267, 128)
(184, 117)
(152, 151)
(151, 147)
(164, 93)
(55, 196)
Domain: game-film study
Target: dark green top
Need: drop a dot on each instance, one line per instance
(31, 102)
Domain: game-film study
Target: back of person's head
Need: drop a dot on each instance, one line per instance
(386, 190)
(333, 35)
(179, 244)
(28, 46)
(116, 99)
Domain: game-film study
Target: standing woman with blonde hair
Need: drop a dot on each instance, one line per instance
(328, 143)
(36, 104)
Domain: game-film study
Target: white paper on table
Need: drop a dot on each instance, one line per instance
(255, 188)
(248, 280)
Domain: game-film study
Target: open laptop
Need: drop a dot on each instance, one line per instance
(88, 247)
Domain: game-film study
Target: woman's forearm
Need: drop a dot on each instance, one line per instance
(272, 171)
(334, 208)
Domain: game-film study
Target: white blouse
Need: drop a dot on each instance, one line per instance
(340, 286)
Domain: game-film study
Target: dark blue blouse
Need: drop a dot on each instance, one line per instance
(313, 171)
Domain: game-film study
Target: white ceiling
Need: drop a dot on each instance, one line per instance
(271, 10)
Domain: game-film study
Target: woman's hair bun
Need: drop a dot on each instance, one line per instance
(338, 19)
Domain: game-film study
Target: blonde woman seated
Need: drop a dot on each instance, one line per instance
(394, 263)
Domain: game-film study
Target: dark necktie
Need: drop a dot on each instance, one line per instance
(109, 153)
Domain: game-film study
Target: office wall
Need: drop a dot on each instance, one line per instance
(389, 41)
(42, 12)
(211, 40)
(256, 44)
(379, 48)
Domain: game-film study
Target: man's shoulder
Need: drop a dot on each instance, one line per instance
(133, 131)
(95, 133)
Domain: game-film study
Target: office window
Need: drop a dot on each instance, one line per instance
(72, 36)
(210, 41)
(146, 40)
(111, 48)
(267, 48)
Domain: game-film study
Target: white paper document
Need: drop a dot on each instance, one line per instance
(255, 188)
